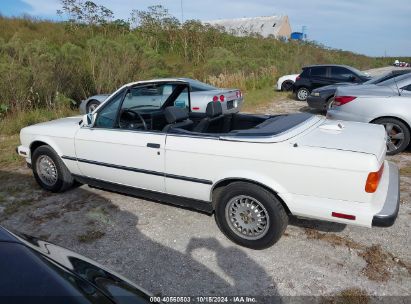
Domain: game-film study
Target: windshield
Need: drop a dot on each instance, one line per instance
(393, 80)
(360, 73)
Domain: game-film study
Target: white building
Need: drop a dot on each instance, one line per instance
(276, 26)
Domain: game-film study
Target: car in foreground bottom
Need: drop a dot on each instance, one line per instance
(36, 271)
(386, 103)
(251, 171)
(200, 93)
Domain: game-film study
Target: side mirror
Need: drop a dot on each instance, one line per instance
(353, 78)
(89, 119)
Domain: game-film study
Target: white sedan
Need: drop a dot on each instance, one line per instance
(252, 171)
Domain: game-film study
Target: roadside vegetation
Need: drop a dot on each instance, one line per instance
(48, 67)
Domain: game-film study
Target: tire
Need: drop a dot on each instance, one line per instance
(302, 94)
(329, 103)
(234, 203)
(57, 178)
(398, 134)
(287, 86)
(92, 105)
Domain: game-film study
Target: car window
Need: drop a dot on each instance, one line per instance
(392, 80)
(107, 116)
(319, 72)
(198, 86)
(407, 88)
(341, 73)
(147, 96)
(182, 100)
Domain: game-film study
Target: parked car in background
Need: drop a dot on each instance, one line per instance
(316, 76)
(249, 170)
(36, 271)
(200, 93)
(322, 98)
(286, 82)
(387, 103)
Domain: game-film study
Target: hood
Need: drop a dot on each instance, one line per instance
(347, 136)
(63, 127)
(366, 90)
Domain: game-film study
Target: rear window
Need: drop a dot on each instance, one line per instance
(319, 71)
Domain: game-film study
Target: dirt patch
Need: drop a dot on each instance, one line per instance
(90, 236)
(333, 239)
(379, 262)
(348, 296)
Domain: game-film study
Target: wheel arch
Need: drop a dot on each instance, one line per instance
(221, 184)
(42, 142)
(393, 117)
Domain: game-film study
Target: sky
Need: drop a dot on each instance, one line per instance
(370, 27)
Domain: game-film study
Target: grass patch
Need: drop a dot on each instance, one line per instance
(14, 122)
(260, 97)
(8, 155)
(90, 236)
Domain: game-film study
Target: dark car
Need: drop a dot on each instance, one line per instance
(321, 98)
(316, 76)
(35, 271)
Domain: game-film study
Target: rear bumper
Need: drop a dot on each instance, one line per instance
(316, 102)
(389, 212)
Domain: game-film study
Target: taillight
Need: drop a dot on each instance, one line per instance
(222, 98)
(298, 78)
(373, 180)
(341, 100)
(215, 98)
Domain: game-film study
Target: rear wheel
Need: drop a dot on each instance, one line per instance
(49, 170)
(250, 215)
(302, 94)
(287, 86)
(92, 105)
(398, 134)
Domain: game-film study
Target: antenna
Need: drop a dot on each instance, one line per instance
(395, 80)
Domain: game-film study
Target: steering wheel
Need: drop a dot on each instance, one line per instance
(133, 114)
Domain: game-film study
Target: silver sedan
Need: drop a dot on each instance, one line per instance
(200, 93)
(387, 103)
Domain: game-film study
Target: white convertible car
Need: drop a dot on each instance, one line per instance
(252, 171)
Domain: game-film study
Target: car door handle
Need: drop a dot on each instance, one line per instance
(155, 146)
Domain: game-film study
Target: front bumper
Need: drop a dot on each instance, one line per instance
(316, 102)
(389, 212)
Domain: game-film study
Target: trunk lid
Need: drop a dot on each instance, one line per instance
(347, 136)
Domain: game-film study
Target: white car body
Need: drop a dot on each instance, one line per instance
(282, 79)
(317, 167)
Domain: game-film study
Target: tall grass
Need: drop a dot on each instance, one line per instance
(48, 67)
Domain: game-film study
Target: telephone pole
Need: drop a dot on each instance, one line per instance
(182, 12)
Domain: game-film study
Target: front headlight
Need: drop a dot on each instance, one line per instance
(315, 94)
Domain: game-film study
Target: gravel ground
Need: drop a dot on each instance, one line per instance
(174, 251)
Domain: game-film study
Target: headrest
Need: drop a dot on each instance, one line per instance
(175, 114)
(214, 109)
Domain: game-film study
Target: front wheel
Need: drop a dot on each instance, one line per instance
(302, 94)
(398, 134)
(250, 215)
(49, 170)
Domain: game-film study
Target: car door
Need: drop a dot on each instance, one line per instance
(122, 155)
(318, 77)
